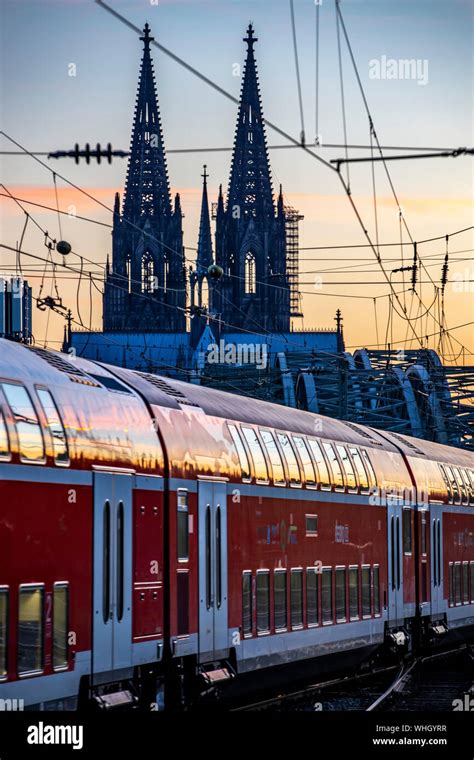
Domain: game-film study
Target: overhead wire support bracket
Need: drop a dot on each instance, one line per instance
(444, 154)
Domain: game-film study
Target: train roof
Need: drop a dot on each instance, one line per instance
(54, 368)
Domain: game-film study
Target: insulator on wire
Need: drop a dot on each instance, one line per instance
(414, 271)
(445, 268)
(98, 153)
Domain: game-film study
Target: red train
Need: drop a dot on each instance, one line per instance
(157, 536)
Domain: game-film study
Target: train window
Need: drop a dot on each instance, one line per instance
(337, 476)
(423, 533)
(3, 632)
(259, 463)
(306, 461)
(326, 595)
(321, 466)
(296, 599)
(467, 485)
(263, 601)
(370, 468)
(30, 629)
(454, 485)
(312, 617)
(359, 465)
(461, 486)
(182, 526)
(290, 459)
(247, 603)
(30, 439)
(348, 467)
(275, 458)
(279, 596)
(457, 583)
(472, 580)
(340, 594)
(451, 584)
(311, 525)
(353, 593)
(465, 582)
(242, 454)
(424, 581)
(4, 443)
(447, 483)
(407, 531)
(366, 608)
(55, 425)
(376, 589)
(60, 625)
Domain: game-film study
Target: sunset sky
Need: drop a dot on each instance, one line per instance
(43, 109)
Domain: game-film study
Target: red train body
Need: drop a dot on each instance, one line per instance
(154, 533)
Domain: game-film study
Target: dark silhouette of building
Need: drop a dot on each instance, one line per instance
(250, 233)
(147, 247)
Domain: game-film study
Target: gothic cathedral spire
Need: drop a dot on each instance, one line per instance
(146, 290)
(250, 236)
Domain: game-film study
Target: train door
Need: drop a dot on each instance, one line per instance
(112, 583)
(436, 547)
(213, 622)
(395, 564)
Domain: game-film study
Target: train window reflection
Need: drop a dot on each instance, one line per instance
(366, 609)
(376, 589)
(370, 468)
(4, 445)
(326, 595)
(290, 458)
(296, 600)
(263, 601)
(348, 468)
(30, 439)
(308, 468)
(279, 597)
(259, 463)
(275, 458)
(353, 593)
(465, 582)
(30, 629)
(55, 425)
(322, 468)
(457, 583)
(182, 525)
(338, 478)
(312, 617)
(456, 496)
(340, 594)
(461, 486)
(247, 603)
(60, 625)
(242, 454)
(361, 472)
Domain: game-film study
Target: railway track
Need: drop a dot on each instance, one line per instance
(429, 682)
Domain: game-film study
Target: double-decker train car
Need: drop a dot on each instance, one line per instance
(158, 538)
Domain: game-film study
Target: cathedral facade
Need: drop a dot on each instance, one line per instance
(147, 286)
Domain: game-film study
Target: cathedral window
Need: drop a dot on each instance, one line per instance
(128, 272)
(250, 274)
(147, 274)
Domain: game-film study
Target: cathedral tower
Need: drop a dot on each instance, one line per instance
(250, 232)
(146, 288)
